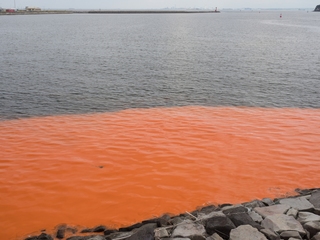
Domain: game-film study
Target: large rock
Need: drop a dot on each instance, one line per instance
(189, 230)
(271, 235)
(255, 216)
(317, 8)
(272, 210)
(243, 218)
(160, 233)
(246, 232)
(214, 236)
(61, 231)
(118, 235)
(99, 228)
(254, 204)
(312, 227)
(292, 212)
(208, 209)
(304, 217)
(299, 203)
(212, 215)
(220, 224)
(146, 232)
(315, 198)
(316, 237)
(160, 221)
(290, 234)
(234, 209)
(267, 201)
(280, 223)
(175, 220)
(42, 236)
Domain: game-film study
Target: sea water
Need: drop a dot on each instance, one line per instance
(111, 119)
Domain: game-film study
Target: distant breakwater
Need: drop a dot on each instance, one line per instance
(36, 12)
(22, 12)
(148, 11)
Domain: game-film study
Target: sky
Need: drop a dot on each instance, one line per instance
(158, 4)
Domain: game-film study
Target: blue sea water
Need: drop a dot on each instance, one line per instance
(83, 63)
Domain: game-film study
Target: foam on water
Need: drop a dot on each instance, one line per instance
(119, 168)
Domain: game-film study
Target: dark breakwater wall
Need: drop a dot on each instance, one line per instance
(147, 11)
(104, 12)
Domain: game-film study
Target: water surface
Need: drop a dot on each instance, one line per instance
(111, 119)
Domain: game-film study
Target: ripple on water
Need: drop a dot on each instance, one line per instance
(122, 167)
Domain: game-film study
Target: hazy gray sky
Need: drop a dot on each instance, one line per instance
(147, 4)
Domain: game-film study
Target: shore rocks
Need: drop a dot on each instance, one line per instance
(290, 218)
(281, 222)
(299, 203)
(246, 232)
(189, 229)
(272, 210)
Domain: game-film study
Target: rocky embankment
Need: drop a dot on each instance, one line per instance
(288, 218)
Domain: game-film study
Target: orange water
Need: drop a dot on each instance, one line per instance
(119, 168)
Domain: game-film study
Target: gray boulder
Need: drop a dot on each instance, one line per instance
(292, 212)
(316, 237)
(189, 230)
(290, 234)
(315, 200)
(280, 223)
(304, 217)
(271, 235)
(175, 220)
(214, 236)
(160, 233)
(234, 209)
(42, 236)
(267, 201)
(243, 218)
(208, 209)
(255, 216)
(246, 232)
(312, 227)
(146, 232)
(220, 224)
(61, 231)
(212, 215)
(117, 235)
(254, 204)
(272, 210)
(299, 203)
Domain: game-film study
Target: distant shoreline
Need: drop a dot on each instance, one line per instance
(150, 11)
(36, 12)
(107, 12)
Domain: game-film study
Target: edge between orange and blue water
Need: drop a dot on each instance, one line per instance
(118, 168)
